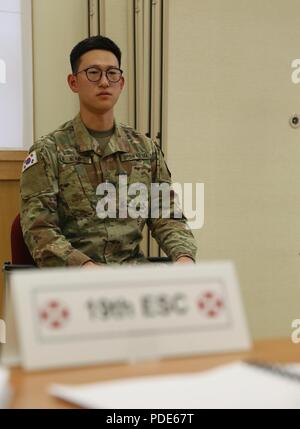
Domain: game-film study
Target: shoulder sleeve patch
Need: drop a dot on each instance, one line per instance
(30, 161)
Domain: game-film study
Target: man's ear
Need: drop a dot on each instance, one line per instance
(72, 81)
(122, 83)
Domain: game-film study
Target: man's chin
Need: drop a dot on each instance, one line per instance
(101, 110)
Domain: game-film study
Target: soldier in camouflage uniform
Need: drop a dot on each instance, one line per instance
(63, 170)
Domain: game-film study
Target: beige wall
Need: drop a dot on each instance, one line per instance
(57, 27)
(230, 98)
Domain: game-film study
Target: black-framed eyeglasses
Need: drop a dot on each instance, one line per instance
(94, 74)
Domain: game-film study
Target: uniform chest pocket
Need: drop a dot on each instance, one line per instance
(74, 185)
(138, 167)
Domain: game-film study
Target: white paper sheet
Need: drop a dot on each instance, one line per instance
(294, 367)
(237, 385)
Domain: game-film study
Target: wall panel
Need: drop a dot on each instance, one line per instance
(230, 99)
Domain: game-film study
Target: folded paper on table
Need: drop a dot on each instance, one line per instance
(236, 385)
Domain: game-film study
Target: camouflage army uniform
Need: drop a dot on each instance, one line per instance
(58, 199)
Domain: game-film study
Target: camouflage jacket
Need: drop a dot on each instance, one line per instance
(58, 198)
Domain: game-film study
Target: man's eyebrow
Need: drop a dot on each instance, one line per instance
(98, 67)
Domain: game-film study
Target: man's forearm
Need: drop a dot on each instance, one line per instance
(44, 239)
(174, 237)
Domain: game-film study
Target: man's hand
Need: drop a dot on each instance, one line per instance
(90, 264)
(184, 260)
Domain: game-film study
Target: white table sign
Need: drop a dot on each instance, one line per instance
(70, 317)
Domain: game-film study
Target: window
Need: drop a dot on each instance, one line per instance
(16, 112)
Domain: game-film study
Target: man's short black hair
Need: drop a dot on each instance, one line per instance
(94, 42)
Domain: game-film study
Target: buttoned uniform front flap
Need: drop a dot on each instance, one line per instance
(75, 188)
(139, 175)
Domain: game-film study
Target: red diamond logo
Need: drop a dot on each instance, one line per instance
(54, 315)
(210, 304)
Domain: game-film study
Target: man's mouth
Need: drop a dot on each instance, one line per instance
(103, 94)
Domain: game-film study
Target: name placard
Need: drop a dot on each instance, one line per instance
(70, 317)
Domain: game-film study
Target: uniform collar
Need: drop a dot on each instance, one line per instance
(86, 142)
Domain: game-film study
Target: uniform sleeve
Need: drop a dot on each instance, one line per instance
(39, 215)
(172, 233)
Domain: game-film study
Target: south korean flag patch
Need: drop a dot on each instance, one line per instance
(30, 161)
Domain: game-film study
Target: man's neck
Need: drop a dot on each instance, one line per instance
(96, 121)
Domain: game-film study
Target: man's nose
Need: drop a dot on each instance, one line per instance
(103, 81)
